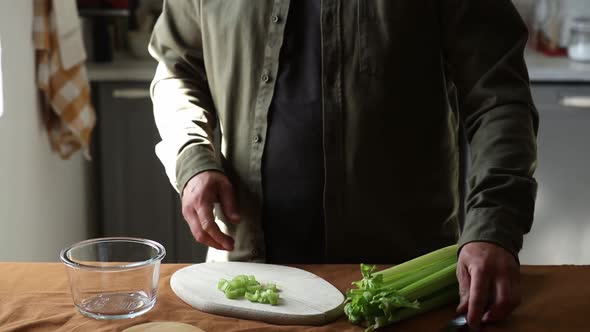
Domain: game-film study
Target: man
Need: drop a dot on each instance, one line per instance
(339, 122)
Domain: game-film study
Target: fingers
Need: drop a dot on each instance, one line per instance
(195, 226)
(478, 297)
(488, 278)
(464, 284)
(228, 202)
(506, 298)
(199, 195)
(207, 221)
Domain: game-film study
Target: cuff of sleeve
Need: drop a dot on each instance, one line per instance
(495, 226)
(193, 160)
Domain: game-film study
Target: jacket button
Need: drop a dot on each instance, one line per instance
(275, 19)
(256, 139)
(254, 252)
(265, 78)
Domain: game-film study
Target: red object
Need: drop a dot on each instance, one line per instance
(557, 52)
(545, 46)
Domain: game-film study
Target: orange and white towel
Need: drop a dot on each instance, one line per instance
(61, 76)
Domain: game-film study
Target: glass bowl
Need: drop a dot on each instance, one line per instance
(114, 278)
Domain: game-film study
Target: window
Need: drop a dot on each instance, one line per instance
(1, 88)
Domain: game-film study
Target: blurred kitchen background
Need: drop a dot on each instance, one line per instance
(47, 203)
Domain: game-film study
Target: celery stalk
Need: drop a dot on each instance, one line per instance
(420, 262)
(446, 295)
(439, 299)
(431, 283)
(410, 278)
(387, 296)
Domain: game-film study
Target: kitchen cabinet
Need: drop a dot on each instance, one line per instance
(561, 228)
(136, 198)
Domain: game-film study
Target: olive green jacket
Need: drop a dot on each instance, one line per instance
(399, 78)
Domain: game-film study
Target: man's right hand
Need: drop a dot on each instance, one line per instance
(199, 196)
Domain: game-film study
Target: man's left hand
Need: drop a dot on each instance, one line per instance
(489, 281)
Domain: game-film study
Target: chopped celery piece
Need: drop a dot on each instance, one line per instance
(253, 297)
(222, 284)
(253, 288)
(273, 298)
(247, 286)
(234, 293)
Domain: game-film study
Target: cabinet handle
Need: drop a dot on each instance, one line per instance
(131, 93)
(576, 101)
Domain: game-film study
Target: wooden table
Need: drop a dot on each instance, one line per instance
(36, 297)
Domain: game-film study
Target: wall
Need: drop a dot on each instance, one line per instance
(43, 201)
(1, 89)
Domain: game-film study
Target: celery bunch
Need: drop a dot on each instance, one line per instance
(247, 286)
(416, 286)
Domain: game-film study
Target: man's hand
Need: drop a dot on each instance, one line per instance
(489, 283)
(198, 198)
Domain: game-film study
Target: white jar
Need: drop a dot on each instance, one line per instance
(579, 44)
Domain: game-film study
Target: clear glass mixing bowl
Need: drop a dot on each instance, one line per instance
(114, 278)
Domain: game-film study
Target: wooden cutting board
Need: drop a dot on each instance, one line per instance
(305, 299)
(163, 327)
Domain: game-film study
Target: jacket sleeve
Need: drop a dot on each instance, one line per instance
(483, 45)
(183, 106)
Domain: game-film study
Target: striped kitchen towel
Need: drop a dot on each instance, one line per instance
(66, 107)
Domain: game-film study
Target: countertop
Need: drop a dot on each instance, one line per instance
(541, 69)
(36, 297)
(124, 68)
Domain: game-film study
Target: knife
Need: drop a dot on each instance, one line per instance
(457, 324)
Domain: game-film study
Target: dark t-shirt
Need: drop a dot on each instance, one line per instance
(293, 165)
